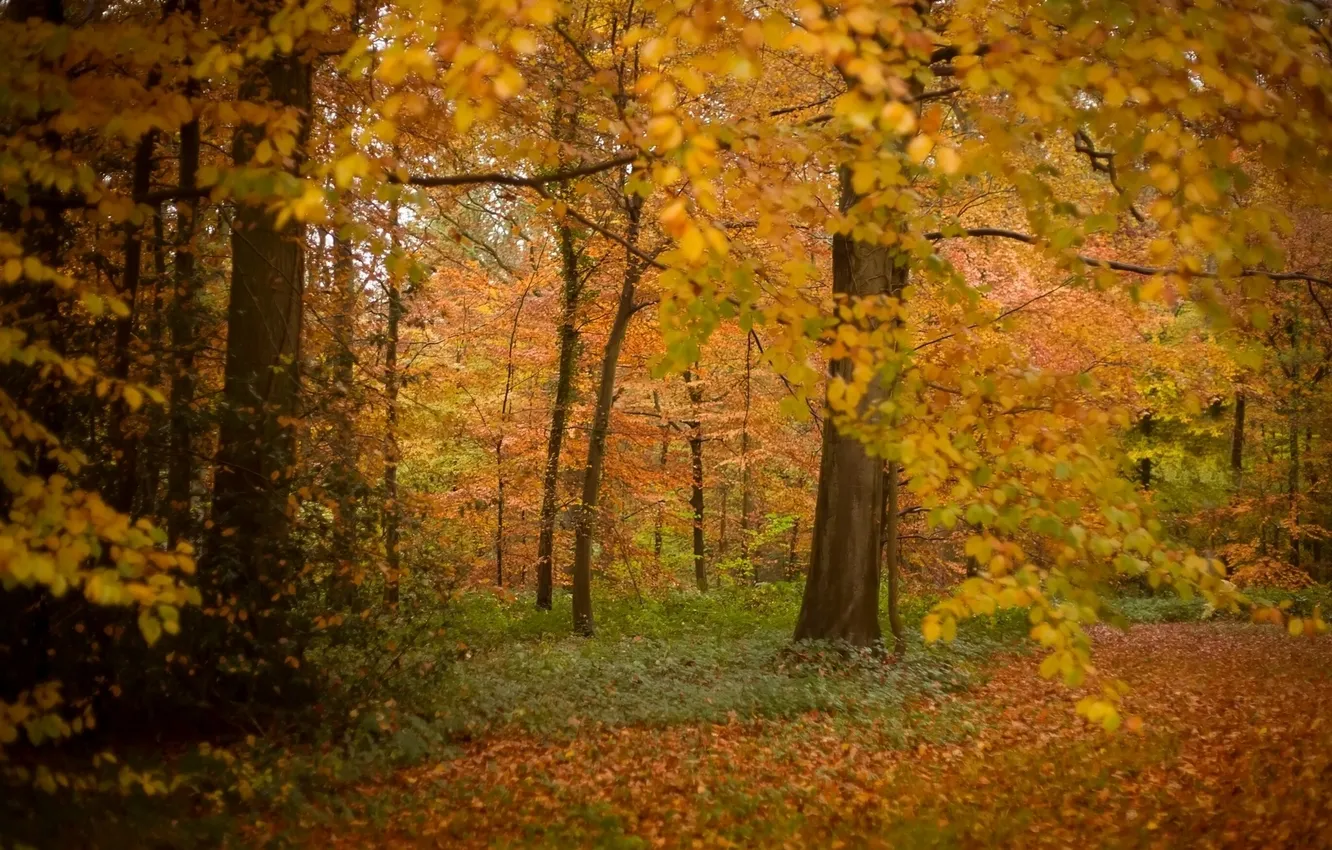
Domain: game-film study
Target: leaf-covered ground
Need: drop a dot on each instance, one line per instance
(1234, 750)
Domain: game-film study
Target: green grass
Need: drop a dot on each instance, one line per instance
(685, 658)
(1166, 607)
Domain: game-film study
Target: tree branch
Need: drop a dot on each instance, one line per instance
(499, 178)
(1116, 265)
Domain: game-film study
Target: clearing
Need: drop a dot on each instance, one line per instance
(1228, 744)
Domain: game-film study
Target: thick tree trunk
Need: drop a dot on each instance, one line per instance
(126, 444)
(696, 482)
(568, 360)
(250, 553)
(182, 323)
(892, 560)
(596, 448)
(841, 600)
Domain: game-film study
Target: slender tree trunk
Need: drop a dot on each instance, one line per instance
(127, 446)
(746, 493)
(696, 482)
(155, 441)
(661, 464)
(892, 560)
(345, 475)
(841, 600)
(724, 494)
(568, 360)
(499, 441)
(1293, 488)
(792, 549)
(596, 448)
(182, 322)
(1145, 425)
(499, 512)
(392, 382)
(1237, 441)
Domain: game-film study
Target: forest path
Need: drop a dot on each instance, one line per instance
(1234, 750)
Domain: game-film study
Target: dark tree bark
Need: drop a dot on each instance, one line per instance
(155, 441)
(892, 555)
(126, 444)
(841, 600)
(596, 448)
(696, 482)
(183, 323)
(568, 360)
(251, 555)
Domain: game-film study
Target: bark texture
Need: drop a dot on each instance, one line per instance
(841, 600)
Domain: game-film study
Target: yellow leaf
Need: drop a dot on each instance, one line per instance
(133, 398)
(931, 629)
(692, 244)
(948, 160)
(509, 83)
(919, 148)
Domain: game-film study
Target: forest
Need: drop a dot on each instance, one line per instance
(665, 423)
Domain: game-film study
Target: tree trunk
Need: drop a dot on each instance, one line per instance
(892, 522)
(499, 441)
(499, 512)
(550, 484)
(696, 482)
(126, 445)
(262, 379)
(344, 365)
(1145, 463)
(150, 472)
(392, 382)
(1293, 488)
(596, 448)
(792, 549)
(725, 497)
(841, 600)
(182, 323)
(1237, 440)
(746, 493)
(661, 463)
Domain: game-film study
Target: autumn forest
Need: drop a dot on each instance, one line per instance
(656, 423)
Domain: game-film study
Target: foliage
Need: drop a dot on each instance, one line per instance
(372, 305)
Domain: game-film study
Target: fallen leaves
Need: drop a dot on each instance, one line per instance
(1226, 745)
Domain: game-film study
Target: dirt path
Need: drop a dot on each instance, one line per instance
(1235, 750)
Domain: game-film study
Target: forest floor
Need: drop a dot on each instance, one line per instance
(1228, 743)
